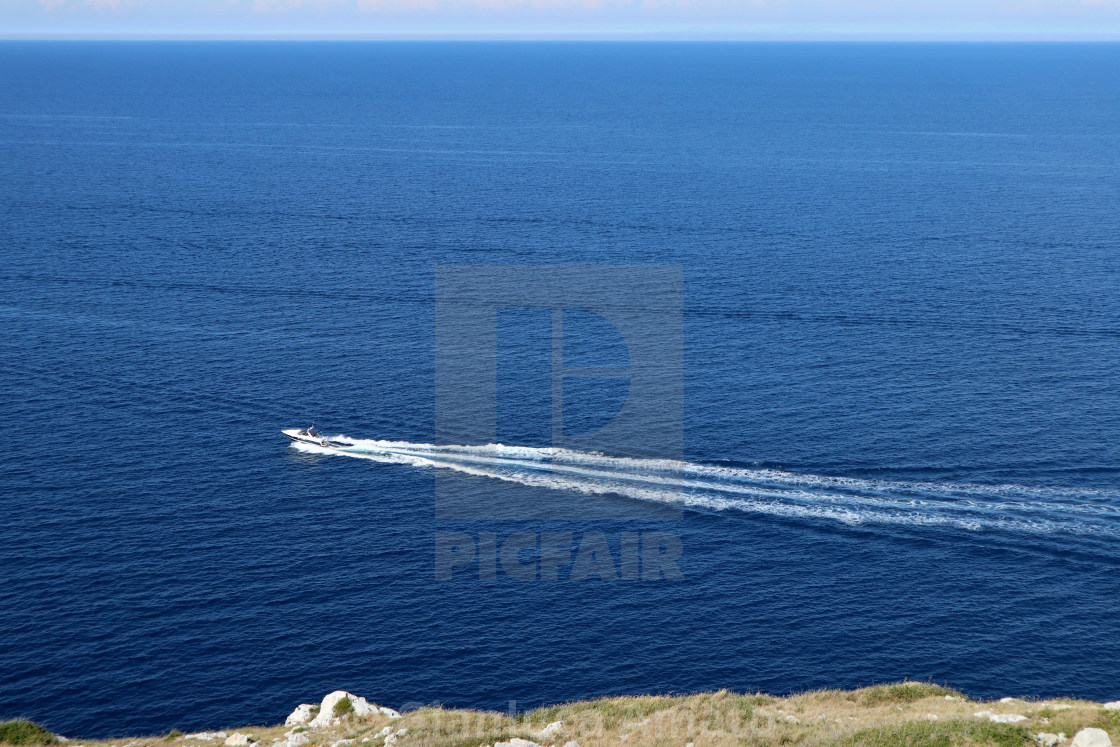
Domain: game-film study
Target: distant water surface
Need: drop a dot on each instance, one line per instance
(901, 329)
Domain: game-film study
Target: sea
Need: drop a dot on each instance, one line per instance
(892, 315)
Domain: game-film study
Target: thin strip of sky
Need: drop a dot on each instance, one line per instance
(927, 20)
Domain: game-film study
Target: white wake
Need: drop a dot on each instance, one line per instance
(767, 491)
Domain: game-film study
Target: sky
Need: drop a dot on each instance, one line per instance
(980, 20)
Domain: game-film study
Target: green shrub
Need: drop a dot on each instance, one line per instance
(22, 731)
(343, 707)
(942, 734)
(1109, 721)
(174, 734)
(902, 692)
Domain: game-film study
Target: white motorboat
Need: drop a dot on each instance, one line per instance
(314, 437)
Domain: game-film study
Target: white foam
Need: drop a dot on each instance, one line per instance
(767, 491)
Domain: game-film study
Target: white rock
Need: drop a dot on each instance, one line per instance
(297, 740)
(301, 715)
(326, 716)
(205, 736)
(951, 697)
(238, 740)
(793, 719)
(383, 732)
(1046, 739)
(516, 742)
(395, 737)
(1091, 738)
(1063, 707)
(1113, 706)
(572, 743)
(551, 730)
(1000, 718)
(1007, 700)
(360, 707)
(1007, 718)
(932, 717)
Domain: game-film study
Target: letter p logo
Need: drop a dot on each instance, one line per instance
(621, 395)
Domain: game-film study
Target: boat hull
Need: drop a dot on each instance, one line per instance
(296, 437)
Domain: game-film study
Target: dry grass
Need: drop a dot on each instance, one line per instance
(908, 713)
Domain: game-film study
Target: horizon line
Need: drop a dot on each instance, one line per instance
(1110, 37)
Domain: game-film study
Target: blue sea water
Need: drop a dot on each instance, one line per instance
(901, 284)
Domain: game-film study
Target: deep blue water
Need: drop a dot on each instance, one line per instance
(900, 263)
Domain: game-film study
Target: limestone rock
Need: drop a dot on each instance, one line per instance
(1091, 738)
(395, 737)
(1006, 718)
(296, 740)
(301, 715)
(360, 707)
(238, 740)
(572, 743)
(1046, 739)
(517, 742)
(1007, 700)
(1113, 706)
(206, 736)
(1000, 718)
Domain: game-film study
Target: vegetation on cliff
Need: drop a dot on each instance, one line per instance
(908, 713)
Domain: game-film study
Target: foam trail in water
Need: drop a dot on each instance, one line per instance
(768, 491)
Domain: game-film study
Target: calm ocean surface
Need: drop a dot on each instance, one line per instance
(901, 389)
